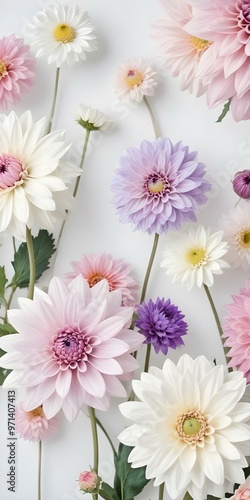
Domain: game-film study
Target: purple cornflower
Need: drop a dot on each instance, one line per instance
(162, 324)
(241, 184)
(158, 186)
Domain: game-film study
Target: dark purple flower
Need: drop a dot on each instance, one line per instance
(158, 186)
(241, 184)
(162, 324)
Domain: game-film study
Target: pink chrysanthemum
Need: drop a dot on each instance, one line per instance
(135, 79)
(73, 347)
(16, 69)
(226, 65)
(33, 425)
(181, 51)
(237, 331)
(97, 267)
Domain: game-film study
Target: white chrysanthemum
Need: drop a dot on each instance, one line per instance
(93, 119)
(62, 33)
(135, 78)
(236, 227)
(189, 428)
(33, 189)
(195, 256)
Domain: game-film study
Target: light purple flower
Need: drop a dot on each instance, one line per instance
(241, 184)
(158, 186)
(162, 324)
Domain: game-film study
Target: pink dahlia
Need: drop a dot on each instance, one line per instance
(16, 69)
(33, 425)
(135, 79)
(243, 492)
(236, 331)
(72, 347)
(96, 267)
(181, 51)
(226, 65)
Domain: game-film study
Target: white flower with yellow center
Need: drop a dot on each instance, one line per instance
(135, 79)
(190, 430)
(236, 227)
(62, 33)
(195, 256)
(33, 190)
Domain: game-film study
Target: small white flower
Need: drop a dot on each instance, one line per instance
(236, 227)
(195, 256)
(93, 119)
(135, 78)
(189, 428)
(62, 33)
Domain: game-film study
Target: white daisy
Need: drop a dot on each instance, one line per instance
(236, 227)
(62, 33)
(195, 256)
(189, 428)
(93, 119)
(31, 178)
(135, 78)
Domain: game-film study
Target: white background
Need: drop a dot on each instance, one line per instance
(124, 29)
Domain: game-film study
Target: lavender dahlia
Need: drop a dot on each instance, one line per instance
(162, 324)
(158, 186)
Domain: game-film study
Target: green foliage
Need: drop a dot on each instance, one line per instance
(44, 248)
(5, 330)
(128, 482)
(107, 492)
(223, 114)
(3, 281)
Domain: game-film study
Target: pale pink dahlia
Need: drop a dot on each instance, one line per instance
(237, 331)
(72, 347)
(16, 69)
(33, 425)
(180, 50)
(96, 267)
(226, 65)
(243, 492)
(135, 79)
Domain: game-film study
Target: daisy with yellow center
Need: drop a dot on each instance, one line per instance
(194, 257)
(236, 227)
(62, 33)
(135, 79)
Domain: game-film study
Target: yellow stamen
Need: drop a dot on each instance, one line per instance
(192, 427)
(196, 256)
(243, 238)
(156, 187)
(134, 78)
(95, 278)
(64, 33)
(3, 69)
(199, 44)
(37, 412)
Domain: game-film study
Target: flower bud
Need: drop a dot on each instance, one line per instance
(241, 184)
(89, 481)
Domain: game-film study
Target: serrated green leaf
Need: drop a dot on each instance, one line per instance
(44, 248)
(128, 482)
(3, 281)
(107, 492)
(6, 329)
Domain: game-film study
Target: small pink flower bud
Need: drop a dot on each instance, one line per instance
(89, 481)
(241, 184)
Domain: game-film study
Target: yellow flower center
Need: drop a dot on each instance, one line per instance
(134, 78)
(37, 412)
(95, 278)
(156, 187)
(196, 256)
(243, 238)
(64, 33)
(3, 69)
(191, 427)
(199, 44)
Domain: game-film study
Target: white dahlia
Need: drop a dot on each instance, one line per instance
(31, 178)
(190, 430)
(62, 33)
(195, 256)
(236, 227)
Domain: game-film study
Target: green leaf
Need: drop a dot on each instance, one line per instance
(44, 248)
(5, 329)
(3, 281)
(3, 371)
(224, 111)
(107, 492)
(128, 482)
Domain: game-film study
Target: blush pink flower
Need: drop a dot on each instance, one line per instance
(135, 79)
(226, 65)
(243, 492)
(72, 347)
(236, 331)
(89, 481)
(16, 70)
(33, 425)
(96, 267)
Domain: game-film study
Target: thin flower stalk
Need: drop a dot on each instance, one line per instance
(153, 120)
(106, 434)
(161, 491)
(31, 263)
(85, 145)
(50, 121)
(39, 495)
(95, 444)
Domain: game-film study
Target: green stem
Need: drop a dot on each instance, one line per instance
(187, 496)
(95, 444)
(39, 496)
(150, 263)
(217, 321)
(107, 435)
(31, 263)
(49, 126)
(147, 358)
(161, 492)
(156, 130)
(14, 244)
(85, 145)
